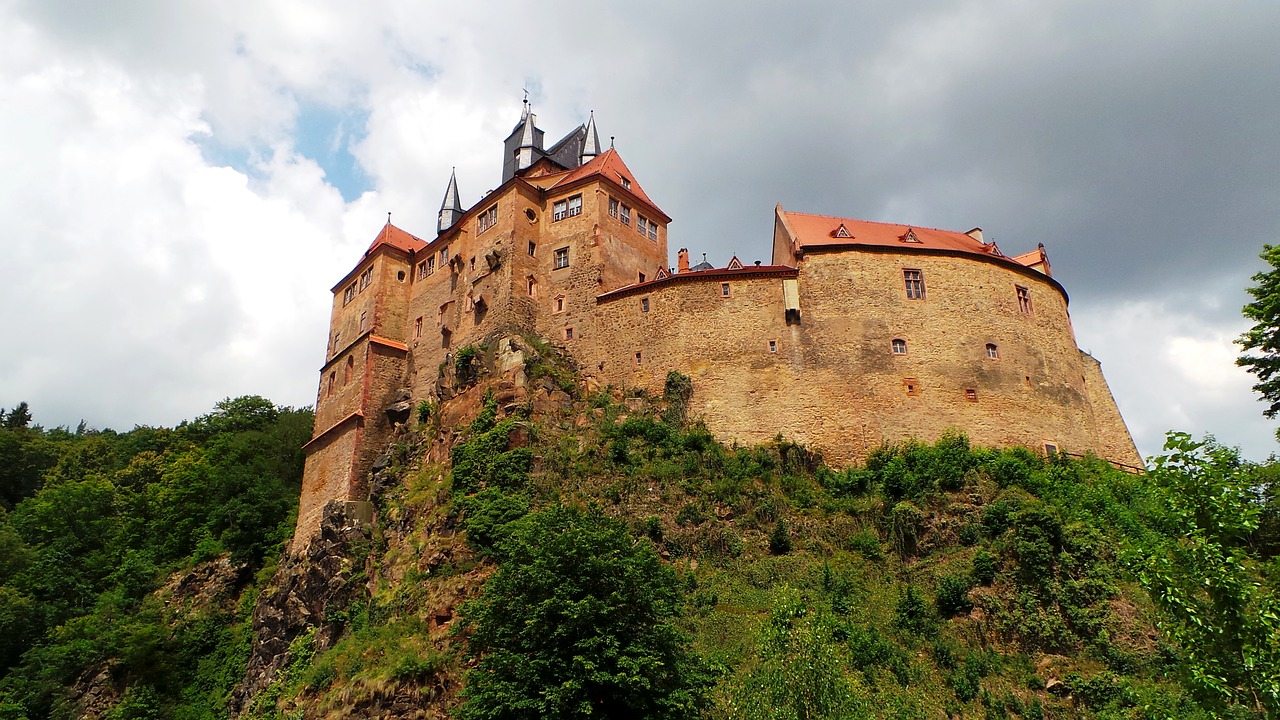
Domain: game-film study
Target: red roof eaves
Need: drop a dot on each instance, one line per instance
(754, 271)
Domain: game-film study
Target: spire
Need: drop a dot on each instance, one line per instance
(590, 143)
(451, 208)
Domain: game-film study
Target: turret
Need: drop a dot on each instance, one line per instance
(523, 146)
(451, 208)
(590, 143)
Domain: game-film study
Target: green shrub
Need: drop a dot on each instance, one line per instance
(952, 595)
(914, 614)
(867, 544)
(905, 522)
(780, 539)
(489, 514)
(690, 514)
(984, 568)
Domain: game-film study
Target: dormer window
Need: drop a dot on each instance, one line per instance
(910, 236)
(626, 183)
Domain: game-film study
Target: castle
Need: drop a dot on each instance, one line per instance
(857, 333)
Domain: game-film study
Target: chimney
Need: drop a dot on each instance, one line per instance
(682, 260)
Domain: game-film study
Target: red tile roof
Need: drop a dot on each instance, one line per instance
(610, 165)
(822, 230)
(396, 238)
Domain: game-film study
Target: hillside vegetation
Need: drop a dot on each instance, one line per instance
(592, 554)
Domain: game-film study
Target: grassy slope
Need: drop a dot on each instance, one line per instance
(1057, 627)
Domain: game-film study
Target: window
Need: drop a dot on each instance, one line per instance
(559, 303)
(487, 219)
(431, 265)
(364, 317)
(640, 276)
(333, 378)
(335, 343)
(773, 346)
(911, 385)
(626, 182)
(533, 248)
(1050, 449)
(561, 259)
(971, 394)
(724, 290)
(642, 224)
(348, 370)
(349, 294)
(1024, 300)
(993, 352)
(639, 357)
(532, 286)
(559, 211)
(568, 333)
(417, 328)
(899, 346)
(422, 269)
(624, 215)
(644, 304)
(473, 263)
(575, 205)
(400, 276)
(444, 255)
(613, 207)
(653, 231)
(366, 278)
(914, 280)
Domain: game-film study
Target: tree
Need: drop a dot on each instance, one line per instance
(1220, 610)
(577, 622)
(18, 417)
(1264, 336)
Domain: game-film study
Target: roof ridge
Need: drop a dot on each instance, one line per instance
(879, 222)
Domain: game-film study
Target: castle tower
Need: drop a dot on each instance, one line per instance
(451, 207)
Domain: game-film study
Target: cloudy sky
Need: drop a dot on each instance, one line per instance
(183, 182)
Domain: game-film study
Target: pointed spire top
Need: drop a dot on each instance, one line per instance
(527, 137)
(451, 208)
(610, 142)
(590, 143)
(524, 114)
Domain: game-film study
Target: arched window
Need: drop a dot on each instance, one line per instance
(533, 287)
(899, 346)
(351, 366)
(993, 352)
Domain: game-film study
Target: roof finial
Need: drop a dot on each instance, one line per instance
(388, 217)
(525, 113)
(610, 142)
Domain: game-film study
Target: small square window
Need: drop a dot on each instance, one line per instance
(911, 385)
(561, 259)
(1050, 449)
(773, 346)
(644, 304)
(568, 333)
(639, 357)
(899, 346)
(626, 183)
(993, 352)
(971, 394)
(487, 219)
(724, 290)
